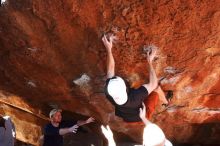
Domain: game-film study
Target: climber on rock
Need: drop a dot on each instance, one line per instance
(125, 99)
(54, 131)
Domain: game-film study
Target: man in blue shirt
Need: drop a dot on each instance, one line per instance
(54, 131)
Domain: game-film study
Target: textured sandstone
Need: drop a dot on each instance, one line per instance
(46, 45)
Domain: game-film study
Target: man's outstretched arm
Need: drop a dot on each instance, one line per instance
(61, 131)
(110, 58)
(153, 81)
(74, 128)
(64, 131)
(89, 120)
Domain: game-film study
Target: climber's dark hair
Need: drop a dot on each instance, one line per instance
(127, 84)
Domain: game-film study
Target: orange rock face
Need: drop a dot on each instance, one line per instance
(52, 55)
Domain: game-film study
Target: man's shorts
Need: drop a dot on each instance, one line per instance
(150, 103)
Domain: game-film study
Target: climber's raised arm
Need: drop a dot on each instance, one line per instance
(153, 81)
(110, 59)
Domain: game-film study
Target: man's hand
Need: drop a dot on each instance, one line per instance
(108, 135)
(151, 53)
(73, 128)
(108, 43)
(142, 114)
(107, 132)
(90, 120)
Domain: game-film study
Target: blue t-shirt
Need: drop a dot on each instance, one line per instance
(51, 133)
